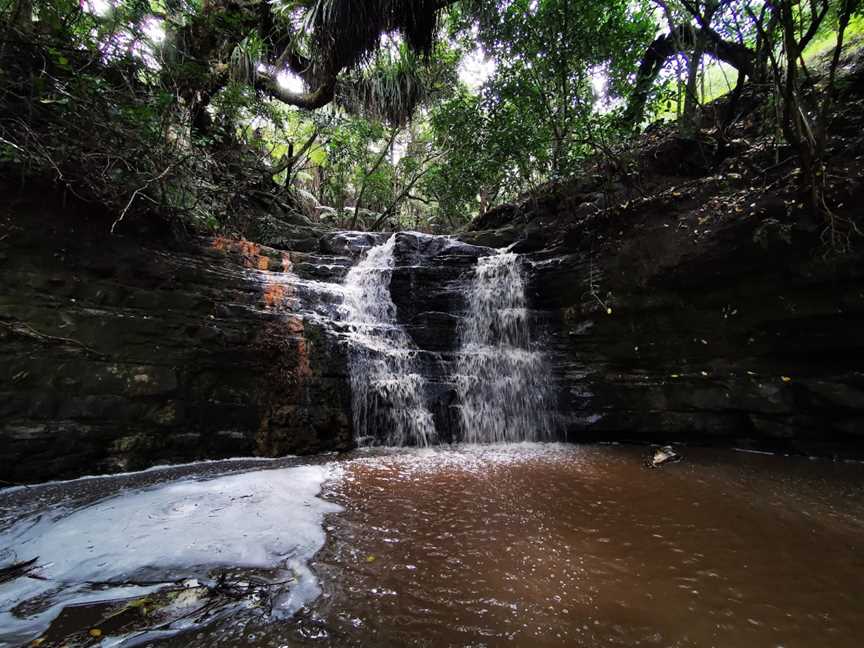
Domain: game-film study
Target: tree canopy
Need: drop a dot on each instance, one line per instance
(378, 114)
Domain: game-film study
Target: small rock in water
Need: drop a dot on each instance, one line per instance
(664, 455)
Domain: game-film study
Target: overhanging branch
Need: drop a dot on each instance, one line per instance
(313, 100)
(682, 39)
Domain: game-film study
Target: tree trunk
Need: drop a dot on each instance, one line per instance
(690, 121)
(664, 47)
(22, 16)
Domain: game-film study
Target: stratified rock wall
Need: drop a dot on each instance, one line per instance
(682, 291)
(727, 343)
(698, 303)
(116, 355)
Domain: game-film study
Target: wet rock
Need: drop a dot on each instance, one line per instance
(350, 244)
(414, 248)
(428, 285)
(18, 569)
(662, 456)
(187, 604)
(118, 355)
(696, 306)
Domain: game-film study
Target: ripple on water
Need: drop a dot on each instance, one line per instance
(561, 545)
(533, 544)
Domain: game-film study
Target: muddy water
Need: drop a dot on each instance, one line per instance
(562, 546)
(549, 545)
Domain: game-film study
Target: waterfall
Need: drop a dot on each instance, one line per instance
(387, 389)
(502, 380)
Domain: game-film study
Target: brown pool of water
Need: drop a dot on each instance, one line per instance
(582, 546)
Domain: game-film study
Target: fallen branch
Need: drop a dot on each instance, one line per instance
(135, 195)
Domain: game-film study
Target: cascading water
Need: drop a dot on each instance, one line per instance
(387, 389)
(502, 381)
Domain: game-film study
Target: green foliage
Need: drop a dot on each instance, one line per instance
(246, 57)
(83, 103)
(477, 158)
(161, 106)
(539, 116)
(826, 38)
(187, 128)
(397, 83)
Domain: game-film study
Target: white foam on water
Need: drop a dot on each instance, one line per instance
(466, 457)
(759, 452)
(261, 519)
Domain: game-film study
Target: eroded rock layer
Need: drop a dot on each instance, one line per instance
(117, 355)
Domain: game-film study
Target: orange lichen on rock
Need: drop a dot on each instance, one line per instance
(220, 243)
(274, 295)
(304, 369)
(252, 256)
(249, 252)
(294, 325)
(278, 294)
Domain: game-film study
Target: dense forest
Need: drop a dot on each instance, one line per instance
(390, 114)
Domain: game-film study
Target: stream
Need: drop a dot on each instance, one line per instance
(521, 544)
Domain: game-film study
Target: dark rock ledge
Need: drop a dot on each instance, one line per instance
(117, 355)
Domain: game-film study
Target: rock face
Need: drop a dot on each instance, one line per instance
(116, 355)
(726, 327)
(428, 286)
(699, 304)
(682, 293)
(119, 355)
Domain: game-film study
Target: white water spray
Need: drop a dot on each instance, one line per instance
(502, 379)
(387, 389)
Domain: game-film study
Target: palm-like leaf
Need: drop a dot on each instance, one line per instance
(347, 33)
(389, 89)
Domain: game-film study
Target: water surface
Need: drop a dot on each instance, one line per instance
(552, 545)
